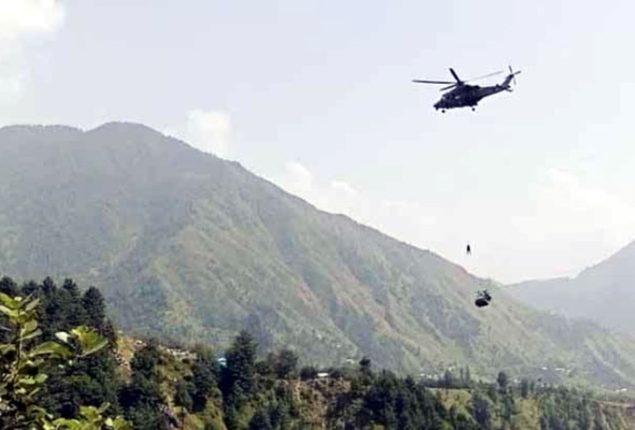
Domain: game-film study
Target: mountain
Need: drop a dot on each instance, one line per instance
(191, 247)
(604, 293)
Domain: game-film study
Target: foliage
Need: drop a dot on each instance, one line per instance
(172, 388)
(91, 419)
(482, 410)
(204, 378)
(285, 363)
(308, 372)
(142, 399)
(22, 359)
(502, 380)
(238, 376)
(91, 381)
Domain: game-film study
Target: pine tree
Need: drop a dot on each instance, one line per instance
(260, 421)
(23, 361)
(204, 377)
(75, 313)
(502, 380)
(238, 375)
(285, 364)
(524, 388)
(182, 398)
(142, 399)
(95, 307)
(482, 411)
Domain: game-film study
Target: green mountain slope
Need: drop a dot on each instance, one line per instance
(189, 246)
(604, 293)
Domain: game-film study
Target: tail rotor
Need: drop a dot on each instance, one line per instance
(513, 74)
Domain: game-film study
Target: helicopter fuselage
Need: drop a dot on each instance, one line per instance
(467, 96)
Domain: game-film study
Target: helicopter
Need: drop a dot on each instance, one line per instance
(461, 94)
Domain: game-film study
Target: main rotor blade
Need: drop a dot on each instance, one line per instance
(449, 87)
(455, 75)
(421, 81)
(485, 76)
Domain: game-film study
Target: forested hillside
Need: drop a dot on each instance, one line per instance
(154, 386)
(191, 247)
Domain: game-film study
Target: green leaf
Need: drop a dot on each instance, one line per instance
(63, 336)
(33, 392)
(32, 305)
(11, 313)
(6, 348)
(31, 335)
(9, 302)
(29, 331)
(91, 413)
(28, 380)
(67, 424)
(90, 341)
(29, 326)
(51, 348)
(38, 411)
(121, 424)
(104, 407)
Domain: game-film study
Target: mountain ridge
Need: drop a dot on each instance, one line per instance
(602, 292)
(190, 246)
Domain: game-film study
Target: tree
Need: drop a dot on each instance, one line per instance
(285, 363)
(524, 388)
(75, 313)
(238, 374)
(182, 397)
(8, 287)
(260, 421)
(482, 410)
(93, 381)
(22, 360)
(467, 381)
(365, 366)
(308, 372)
(145, 360)
(449, 380)
(502, 380)
(142, 399)
(95, 307)
(204, 377)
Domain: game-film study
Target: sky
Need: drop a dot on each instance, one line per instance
(317, 97)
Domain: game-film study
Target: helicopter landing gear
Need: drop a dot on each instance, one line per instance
(442, 110)
(473, 109)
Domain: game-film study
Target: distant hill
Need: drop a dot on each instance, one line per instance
(188, 246)
(604, 293)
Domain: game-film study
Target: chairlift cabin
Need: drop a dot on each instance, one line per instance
(482, 299)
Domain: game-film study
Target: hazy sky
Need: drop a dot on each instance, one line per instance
(316, 96)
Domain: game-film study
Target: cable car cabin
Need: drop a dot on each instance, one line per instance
(482, 299)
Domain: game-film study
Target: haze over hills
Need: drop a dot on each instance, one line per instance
(192, 247)
(604, 293)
